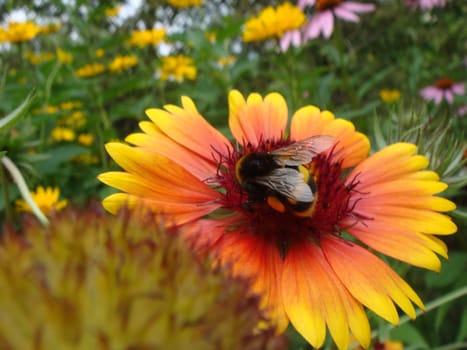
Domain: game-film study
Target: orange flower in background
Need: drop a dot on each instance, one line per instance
(309, 259)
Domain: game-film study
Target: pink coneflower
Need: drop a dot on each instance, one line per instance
(322, 21)
(445, 89)
(425, 4)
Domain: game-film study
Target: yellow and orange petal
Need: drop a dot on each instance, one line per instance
(398, 197)
(256, 119)
(351, 147)
(175, 194)
(314, 303)
(184, 136)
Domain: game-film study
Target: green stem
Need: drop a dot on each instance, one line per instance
(23, 189)
(458, 293)
(453, 346)
(6, 197)
(340, 44)
(103, 126)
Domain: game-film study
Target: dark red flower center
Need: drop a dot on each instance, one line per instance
(327, 4)
(331, 205)
(445, 83)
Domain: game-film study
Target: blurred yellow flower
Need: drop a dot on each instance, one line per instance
(226, 61)
(177, 68)
(273, 22)
(390, 96)
(86, 139)
(185, 3)
(50, 28)
(211, 36)
(19, 31)
(393, 345)
(75, 120)
(64, 57)
(112, 11)
(62, 134)
(67, 105)
(38, 58)
(100, 53)
(86, 159)
(46, 110)
(90, 70)
(46, 199)
(143, 38)
(120, 63)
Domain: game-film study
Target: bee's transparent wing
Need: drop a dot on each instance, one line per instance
(303, 151)
(288, 182)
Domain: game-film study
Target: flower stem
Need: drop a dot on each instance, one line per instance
(456, 294)
(340, 44)
(6, 197)
(23, 188)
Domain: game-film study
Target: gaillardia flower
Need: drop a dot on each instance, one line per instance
(310, 262)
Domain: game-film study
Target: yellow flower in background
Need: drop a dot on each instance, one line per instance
(50, 28)
(46, 199)
(112, 11)
(38, 58)
(46, 110)
(86, 159)
(185, 3)
(211, 36)
(20, 31)
(99, 53)
(75, 120)
(90, 70)
(390, 96)
(62, 134)
(120, 63)
(273, 22)
(67, 105)
(226, 61)
(143, 38)
(64, 57)
(177, 68)
(86, 139)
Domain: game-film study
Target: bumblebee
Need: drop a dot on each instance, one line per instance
(280, 177)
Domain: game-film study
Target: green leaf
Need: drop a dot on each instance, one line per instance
(453, 270)
(408, 334)
(462, 334)
(12, 118)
